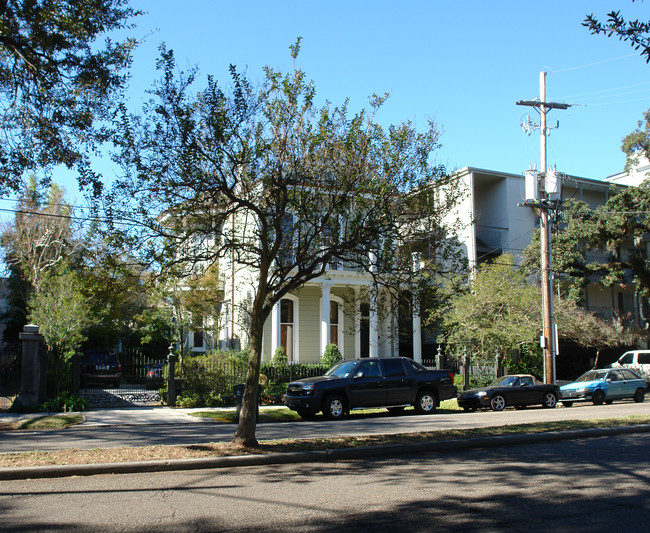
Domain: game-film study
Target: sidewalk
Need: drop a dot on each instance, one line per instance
(133, 416)
(152, 416)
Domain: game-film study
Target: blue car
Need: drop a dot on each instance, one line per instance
(604, 386)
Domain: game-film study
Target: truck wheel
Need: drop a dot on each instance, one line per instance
(598, 398)
(498, 403)
(550, 400)
(639, 395)
(426, 402)
(334, 408)
(306, 415)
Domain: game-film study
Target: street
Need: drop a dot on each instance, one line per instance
(584, 485)
(85, 437)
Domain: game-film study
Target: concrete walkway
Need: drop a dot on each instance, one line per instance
(132, 416)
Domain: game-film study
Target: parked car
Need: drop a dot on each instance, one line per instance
(391, 382)
(517, 390)
(604, 386)
(101, 367)
(637, 360)
(154, 377)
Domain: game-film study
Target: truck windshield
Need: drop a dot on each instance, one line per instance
(342, 370)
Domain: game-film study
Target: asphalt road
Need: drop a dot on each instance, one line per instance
(85, 437)
(597, 484)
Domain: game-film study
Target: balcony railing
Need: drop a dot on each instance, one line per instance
(490, 236)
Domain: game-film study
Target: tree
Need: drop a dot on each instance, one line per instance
(496, 315)
(636, 32)
(606, 242)
(500, 314)
(57, 82)
(41, 234)
(62, 313)
(276, 184)
(583, 328)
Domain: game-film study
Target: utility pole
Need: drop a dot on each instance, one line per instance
(548, 340)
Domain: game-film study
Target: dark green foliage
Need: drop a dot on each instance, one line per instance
(636, 32)
(65, 402)
(57, 80)
(331, 356)
(527, 361)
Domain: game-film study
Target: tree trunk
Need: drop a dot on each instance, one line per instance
(245, 434)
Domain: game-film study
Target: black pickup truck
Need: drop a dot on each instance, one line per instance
(391, 382)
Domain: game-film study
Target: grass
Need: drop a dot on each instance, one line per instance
(283, 414)
(149, 453)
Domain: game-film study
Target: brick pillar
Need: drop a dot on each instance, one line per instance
(33, 369)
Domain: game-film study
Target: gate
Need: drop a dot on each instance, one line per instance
(107, 378)
(9, 377)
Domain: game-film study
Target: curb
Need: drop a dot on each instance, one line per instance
(323, 456)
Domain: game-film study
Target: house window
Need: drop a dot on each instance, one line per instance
(197, 340)
(364, 330)
(286, 253)
(286, 327)
(334, 323)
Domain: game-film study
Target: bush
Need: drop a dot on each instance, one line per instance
(279, 357)
(189, 400)
(65, 402)
(331, 356)
(215, 400)
(216, 372)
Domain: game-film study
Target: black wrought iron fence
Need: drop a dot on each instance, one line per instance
(109, 378)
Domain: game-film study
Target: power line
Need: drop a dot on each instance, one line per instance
(587, 65)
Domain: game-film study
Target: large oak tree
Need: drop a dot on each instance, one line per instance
(285, 187)
(57, 81)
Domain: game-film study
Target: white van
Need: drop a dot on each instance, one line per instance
(638, 360)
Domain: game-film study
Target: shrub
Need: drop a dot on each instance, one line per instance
(331, 356)
(279, 357)
(215, 400)
(65, 402)
(189, 400)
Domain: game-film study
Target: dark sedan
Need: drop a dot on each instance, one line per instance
(517, 390)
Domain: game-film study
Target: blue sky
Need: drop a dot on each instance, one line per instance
(463, 63)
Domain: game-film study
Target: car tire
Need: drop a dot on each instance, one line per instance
(598, 398)
(550, 400)
(334, 407)
(396, 410)
(639, 395)
(609, 402)
(567, 404)
(498, 403)
(426, 402)
(520, 407)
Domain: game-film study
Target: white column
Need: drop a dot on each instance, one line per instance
(357, 324)
(325, 315)
(417, 331)
(374, 324)
(415, 304)
(275, 328)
